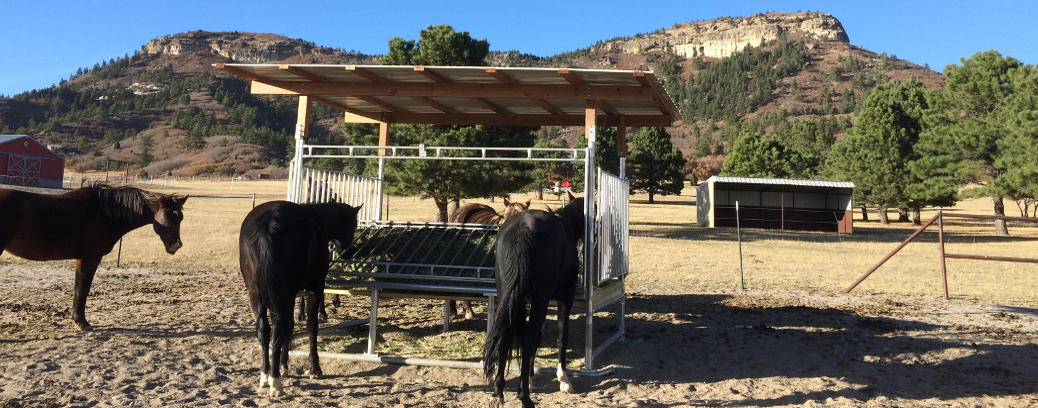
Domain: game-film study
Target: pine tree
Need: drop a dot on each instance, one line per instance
(965, 140)
(655, 164)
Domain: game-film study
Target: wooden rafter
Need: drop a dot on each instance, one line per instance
(432, 102)
(552, 109)
(431, 75)
(665, 107)
(507, 80)
(571, 77)
(490, 105)
(370, 76)
(300, 73)
(380, 103)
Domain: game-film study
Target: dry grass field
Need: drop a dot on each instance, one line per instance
(176, 330)
(670, 252)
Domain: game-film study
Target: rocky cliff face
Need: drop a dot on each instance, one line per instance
(238, 47)
(721, 37)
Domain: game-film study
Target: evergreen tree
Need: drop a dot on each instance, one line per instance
(768, 155)
(877, 151)
(144, 156)
(442, 180)
(964, 140)
(655, 164)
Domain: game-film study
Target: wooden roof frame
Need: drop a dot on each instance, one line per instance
(493, 91)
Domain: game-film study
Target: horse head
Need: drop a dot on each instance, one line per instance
(573, 216)
(167, 213)
(346, 225)
(513, 208)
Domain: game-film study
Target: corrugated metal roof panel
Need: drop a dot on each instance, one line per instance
(8, 138)
(781, 182)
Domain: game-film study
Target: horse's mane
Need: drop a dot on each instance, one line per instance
(573, 216)
(122, 203)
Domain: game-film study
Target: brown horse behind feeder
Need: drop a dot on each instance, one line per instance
(84, 225)
(475, 213)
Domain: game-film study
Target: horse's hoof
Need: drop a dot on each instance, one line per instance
(497, 403)
(83, 325)
(275, 388)
(564, 384)
(469, 315)
(314, 373)
(528, 403)
(263, 382)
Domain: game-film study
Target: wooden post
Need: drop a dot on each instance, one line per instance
(303, 114)
(621, 144)
(590, 122)
(383, 140)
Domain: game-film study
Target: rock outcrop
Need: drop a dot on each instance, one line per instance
(721, 37)
(238, 47)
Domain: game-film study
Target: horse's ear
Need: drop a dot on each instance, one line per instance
(507, 203)
(181, 200)
(357, 208)
(527, 203)
(570, 195)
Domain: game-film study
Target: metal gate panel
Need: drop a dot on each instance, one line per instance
(321, 186)
(612, 223)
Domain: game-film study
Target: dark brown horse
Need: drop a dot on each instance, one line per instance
(283, 248)
(84, 225)
(475, 213)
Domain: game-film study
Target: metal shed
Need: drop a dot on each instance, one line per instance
(25, 162)
(785, 204)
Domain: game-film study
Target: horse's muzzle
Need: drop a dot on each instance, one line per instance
(172, 248)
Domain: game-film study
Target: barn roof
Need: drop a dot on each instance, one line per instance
(8, 138)
(451, 95)
(780, 182)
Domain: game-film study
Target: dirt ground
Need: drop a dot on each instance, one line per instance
(186, 338)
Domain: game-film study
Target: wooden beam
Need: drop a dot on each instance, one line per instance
(571, 77)
(490, 91)
(331, 103)
(380, 103)
(547, 106)
(303, 115)
(300, 73)
(667, 107)
(239, 72)
(431, 75)
(371, 76)
(383, 137)
(495, 119)
(500, 76)
(432, 102)
(604, 106)
(350, 117)
(489, 105)
(621, 137)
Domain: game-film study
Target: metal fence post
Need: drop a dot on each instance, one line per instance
(940, 245)
(738, 236)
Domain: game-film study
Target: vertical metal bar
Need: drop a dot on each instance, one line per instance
(373, 321)
(940, 245)
(738, 236)
(378, 191)
(589, 225)
(253, 200)
(119, 256)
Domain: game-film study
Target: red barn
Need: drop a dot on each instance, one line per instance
(25, 162)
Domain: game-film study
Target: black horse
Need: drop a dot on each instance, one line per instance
(283, 248)
(536, 261)
(84, 224)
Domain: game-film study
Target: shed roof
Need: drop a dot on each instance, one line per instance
(451, 95)
(781, 182)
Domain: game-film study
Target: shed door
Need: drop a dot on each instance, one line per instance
(23, 171)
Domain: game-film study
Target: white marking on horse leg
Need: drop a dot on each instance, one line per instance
(275, 387)
(263, 381)
(564, 384)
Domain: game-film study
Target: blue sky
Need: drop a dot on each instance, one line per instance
(43, 41)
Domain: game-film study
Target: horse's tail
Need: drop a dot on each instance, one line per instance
(510, 316)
